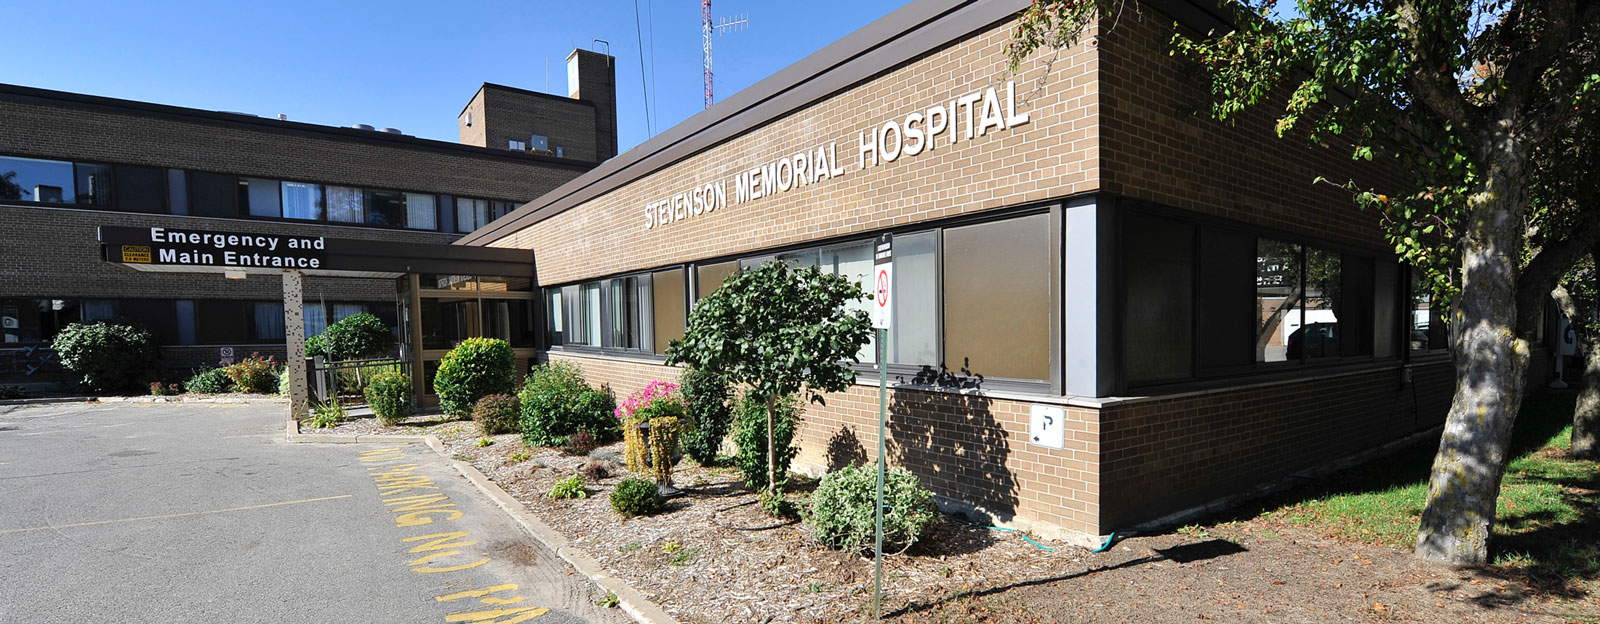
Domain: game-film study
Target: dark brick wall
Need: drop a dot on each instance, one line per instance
(569, 125)
(597, 84)
(96, 133)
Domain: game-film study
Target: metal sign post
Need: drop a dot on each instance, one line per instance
(882, 316)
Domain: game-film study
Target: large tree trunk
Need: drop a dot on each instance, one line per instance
(1491, 364)
(1586, 418)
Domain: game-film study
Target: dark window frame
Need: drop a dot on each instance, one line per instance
(1213, 376)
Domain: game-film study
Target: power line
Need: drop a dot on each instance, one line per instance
(644, 86)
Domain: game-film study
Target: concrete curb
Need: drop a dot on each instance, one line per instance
(142, 399)
(631, 600)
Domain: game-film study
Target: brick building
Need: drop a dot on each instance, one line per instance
(71, 163)
(1074, 249)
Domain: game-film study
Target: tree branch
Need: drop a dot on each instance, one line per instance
(1544, 271)
(1431, 79)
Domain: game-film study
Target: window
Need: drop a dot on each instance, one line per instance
(1157, 332)
(510, 320)
(266, 321)
(854, 263)
(585, 327)
(213, 195)
(141, 189)
(997, 300)
(448, 321)
(93, 185)
(34, 180)
(513, 144)
(667, 307)
(302, 201)
(1386, 307)
(386, 208)
(710, 277)
(221, 322)
(553, 326)
(471, 214)
(497, 283)
(1315, 332)
(503, 208)
(914, 338)
(260, 198)
(345, 204)
(623, 303)
(1278, 294)
(1427, 330)
(316, 319)
(422, 211)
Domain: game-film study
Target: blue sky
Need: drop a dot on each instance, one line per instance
(408, 65)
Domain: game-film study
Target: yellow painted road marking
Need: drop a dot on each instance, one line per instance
(176, 515)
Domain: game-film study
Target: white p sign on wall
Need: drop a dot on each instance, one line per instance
(882, 286)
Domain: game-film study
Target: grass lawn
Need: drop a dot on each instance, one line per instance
(1548, 522)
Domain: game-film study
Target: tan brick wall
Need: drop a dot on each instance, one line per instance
(1160, 144)
(968, 448)
(473, 134)
(1055, 154)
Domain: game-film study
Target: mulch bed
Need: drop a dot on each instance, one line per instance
(696, 562)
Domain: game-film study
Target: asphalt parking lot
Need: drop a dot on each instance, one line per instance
(136, 512)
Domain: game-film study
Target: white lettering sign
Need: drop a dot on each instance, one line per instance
(965, 118)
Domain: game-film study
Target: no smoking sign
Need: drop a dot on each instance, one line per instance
(883, 282)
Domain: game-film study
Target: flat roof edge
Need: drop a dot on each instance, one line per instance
(21, 93)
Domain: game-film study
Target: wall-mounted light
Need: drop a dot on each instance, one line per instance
(233, 274)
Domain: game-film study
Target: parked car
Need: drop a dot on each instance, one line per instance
(1314, 340)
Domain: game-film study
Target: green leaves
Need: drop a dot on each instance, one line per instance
(778, 329)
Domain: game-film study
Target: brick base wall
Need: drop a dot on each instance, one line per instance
(971, 450)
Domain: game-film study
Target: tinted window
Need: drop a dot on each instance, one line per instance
(1278, 295)
(94, 185)
(386, 208)
(261, 198)
(711, 276)
(667, 290)
(213, 195)
(141, 189)
(221, 322)
(34, 180)
(1158, 331)
(997, 298)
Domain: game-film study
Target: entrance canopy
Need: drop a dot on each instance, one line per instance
(198, 251)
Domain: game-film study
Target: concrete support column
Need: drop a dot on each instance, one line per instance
(413, 325)
(294, 332)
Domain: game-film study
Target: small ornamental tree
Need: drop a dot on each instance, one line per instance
(356, 336)
(780, 331)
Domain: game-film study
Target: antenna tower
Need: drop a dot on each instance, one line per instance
(708, 28)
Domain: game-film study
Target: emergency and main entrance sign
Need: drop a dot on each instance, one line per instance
(883, 282)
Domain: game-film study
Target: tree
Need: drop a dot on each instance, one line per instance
(356, 336)
(1578, 299)
(1456, 93)
(9, 189)
(780, 331)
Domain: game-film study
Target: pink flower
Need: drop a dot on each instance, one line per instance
(644, 397)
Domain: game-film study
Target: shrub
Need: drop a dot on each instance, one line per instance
(658, 453)
(357, 336)
(570, 487)
(596, 470)
(557, 402)
(162, 389)
(496, 414)
(476, 368)
(389, 396)
(105, 356)
(209, 381)
(283, 381)
(752, 438)
(254, 374)
(12, 392)
(317, 345)
(327, 415)
(842, 508)
(580, 443)
(705, 395)
(636, 497)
